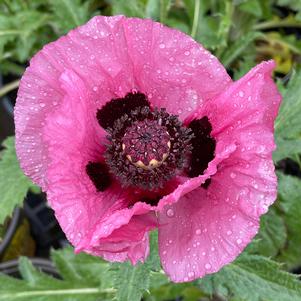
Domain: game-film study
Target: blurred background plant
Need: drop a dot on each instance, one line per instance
(240, 33)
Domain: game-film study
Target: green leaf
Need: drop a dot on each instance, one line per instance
(253, 278)
(69, 14)
(13, 183)
(82, 266)
(293, 4)
(131, 281)
(36, 285)
(133, 8)
(289, 189)
(286, 148)
(287, 125)
(238, 47)
(272, 236)
(252, 7)
(128, 278)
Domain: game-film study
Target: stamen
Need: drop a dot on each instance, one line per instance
(146, 144)
(147, 148)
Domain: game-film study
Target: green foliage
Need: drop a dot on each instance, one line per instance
(253, 278)
(272, 236)
(13, 183)
(290, 209)
(287, 125)
(68, 14)
(25, 26)
(76, 283)
(128, 281)
(128, 278)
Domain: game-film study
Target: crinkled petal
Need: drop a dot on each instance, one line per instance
(73, 138)
(119, 252)
(175, 71)
(208, 228)
(113, 56)
(223, 150)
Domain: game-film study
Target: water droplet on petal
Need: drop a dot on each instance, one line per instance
(241, 93)
(170, 213)
(198, 231)
(239, 241)
(191, 274)
(207, 266)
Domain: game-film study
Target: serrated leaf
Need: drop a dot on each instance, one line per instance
(272, 235)
(81, 266)
(238, 47)
(290, 202)
(69, 13)
(38, 286)
(287, 125)
(13, 183)
(253, 278)
(131, 281)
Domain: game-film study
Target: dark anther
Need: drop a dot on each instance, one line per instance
(203, 147)
(206, 183)
(151, 201)
(99, 175)
(118, 107)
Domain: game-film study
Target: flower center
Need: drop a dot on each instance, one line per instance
(147, 148)
(146, 144)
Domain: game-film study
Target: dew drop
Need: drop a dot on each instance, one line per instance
(198, 231)
(170, 213)
(187, 52)
(207, 266)
(229, 232)
(162, 46)
(233, 175)
(241, 94)
(239, 241)
(191, 274)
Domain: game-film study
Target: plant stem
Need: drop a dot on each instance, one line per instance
(41, 293)
(195, 18)
(9, 87)
(275, 24)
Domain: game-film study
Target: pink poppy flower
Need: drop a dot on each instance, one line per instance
(131, 126)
